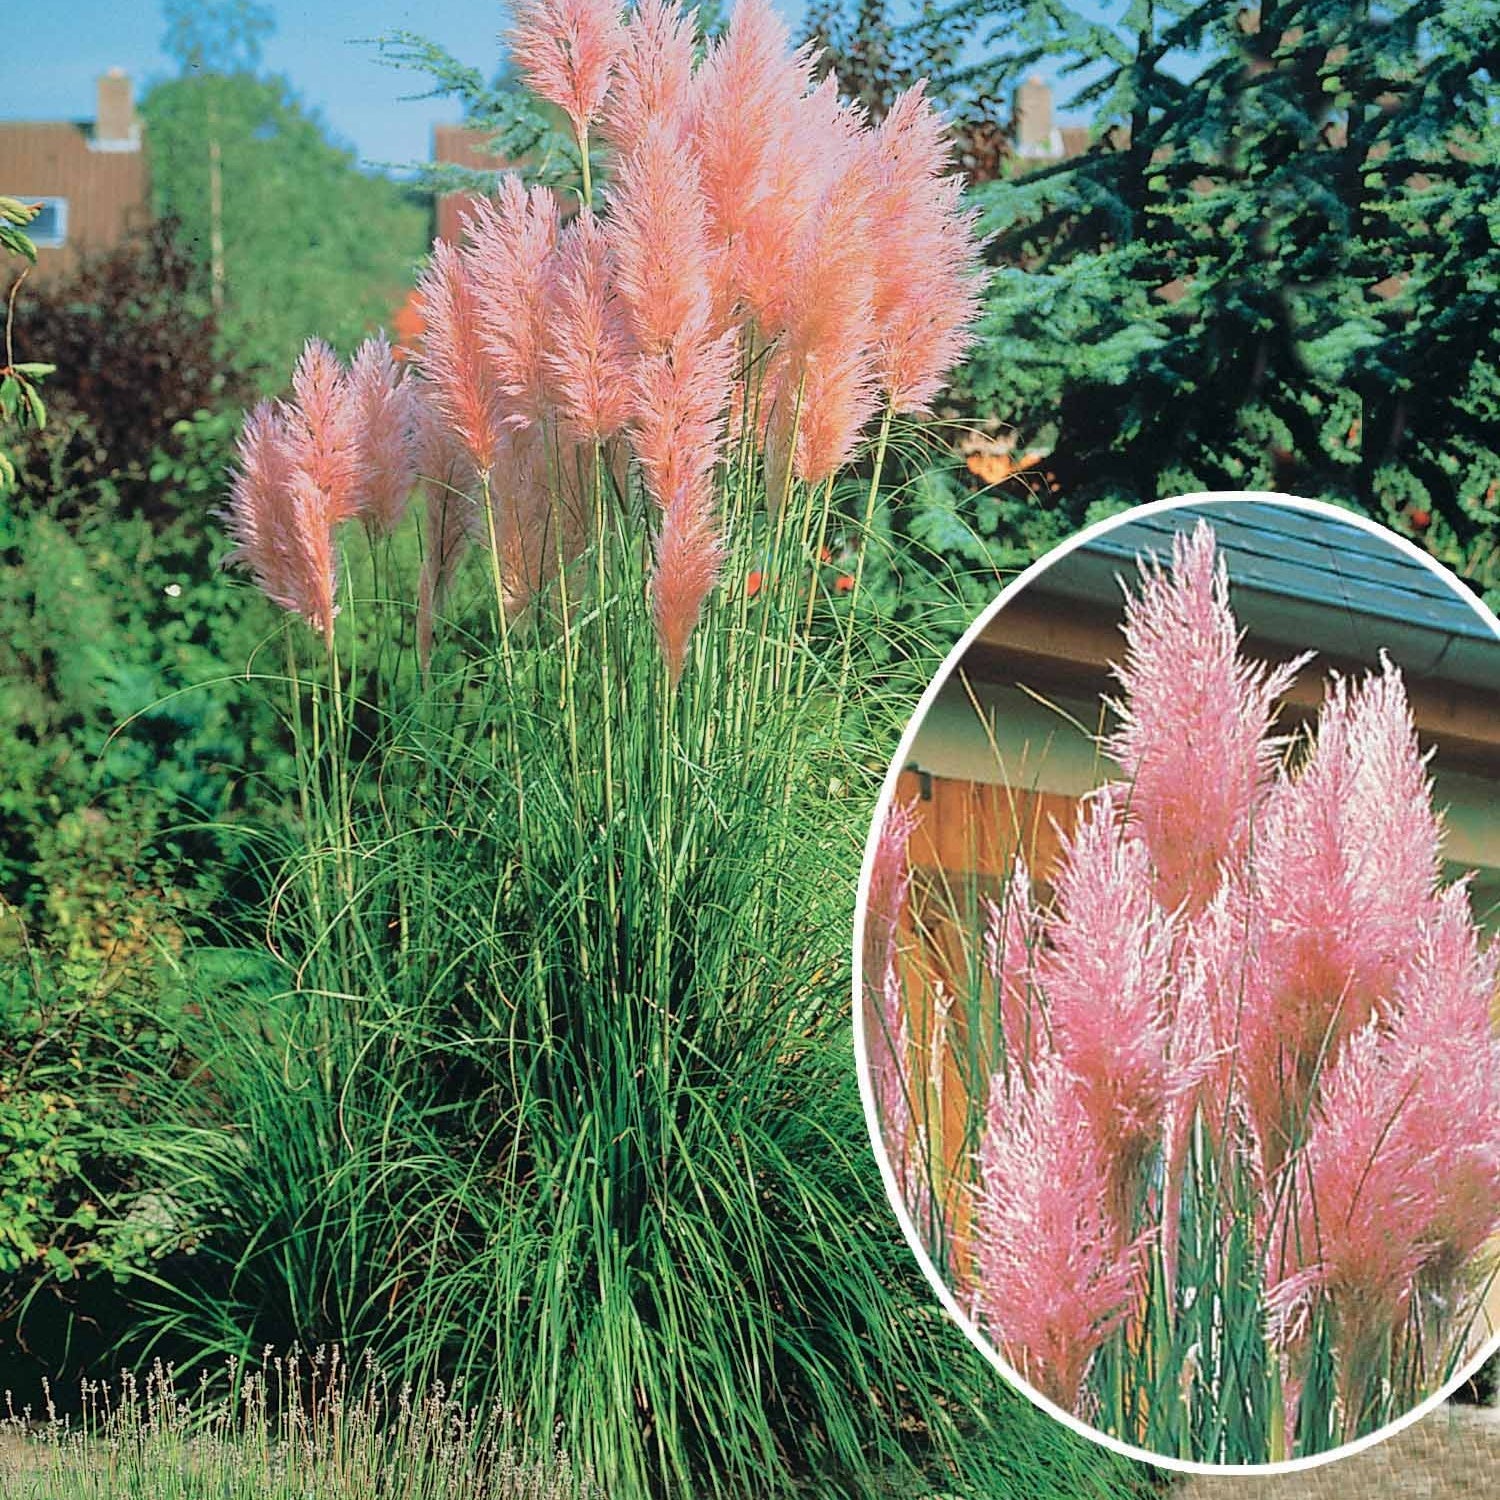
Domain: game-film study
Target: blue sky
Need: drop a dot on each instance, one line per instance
(54, 51)
(52, 57)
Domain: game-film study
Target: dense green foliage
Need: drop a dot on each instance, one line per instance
(136, 350)
(312, 243)
(128, 748)
(1278, 266)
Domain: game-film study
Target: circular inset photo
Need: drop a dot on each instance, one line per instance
(1176, 994)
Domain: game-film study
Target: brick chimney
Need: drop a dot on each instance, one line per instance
(116, 127)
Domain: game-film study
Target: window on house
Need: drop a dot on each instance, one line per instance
(49, 229)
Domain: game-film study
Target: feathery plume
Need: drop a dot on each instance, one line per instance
(385, 416)
(1107, 975)
(449, 479)
(510, 258)
(278, 520)
(566, 50)
(1053, 1273)
(1346, 870)
(1354, 1229)
(747, 85)
(1440, 1036)
(322, 426)
(659, 232)
(814, 148)
(590, 357)
(926, 251)
(681, 400)
(653, 75)
(1012, 945)
(825, 381)
(888, 1033)
(1193, 736)
(459, 377)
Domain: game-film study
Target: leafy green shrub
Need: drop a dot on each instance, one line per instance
(137, 352)
(124, 774)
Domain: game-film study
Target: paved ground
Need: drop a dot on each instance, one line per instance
(1453, 1453)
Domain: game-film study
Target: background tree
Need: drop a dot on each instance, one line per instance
(218, 38)
(1277, 265)
(296, 237)
(137, 347)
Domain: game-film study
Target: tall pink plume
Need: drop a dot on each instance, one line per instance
(653, 75)
(1441, 1036)
(279, 523)
(926, 253)
(510, 260)
(814, 148)
(659, 231)
(1054, 1273)
(681, 400)
(1107, 975)
(566, 50)
(1193, 737)
(1012, 946)
(528, 497)
(385, 412)
(1356, 1210)
(825, 390)
(460, 379)
(1346, 870)
(322, 424)
(590, 361)
(747, 85)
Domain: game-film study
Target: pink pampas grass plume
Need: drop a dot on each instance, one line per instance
(1012, 945)
(322, 425)
(460, 380)
(1193, 737)
(279, 522)
(1054, 1275)
(449, 481)
(590, 360)
(566, 50)
(746, 87)
(1346, 869)
(659, 232)
(385, 412)
(926, 255)
(653, 75)
(510, 259)
(1108, 976)
(681, 401)
(814, 148)
(1440, 1036)
(689, 555)
(1358, 1210)
(825, 388)
(529, 507)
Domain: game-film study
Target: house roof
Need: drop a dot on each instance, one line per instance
(1304, 578)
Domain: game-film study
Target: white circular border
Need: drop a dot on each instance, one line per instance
(862, 1067)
